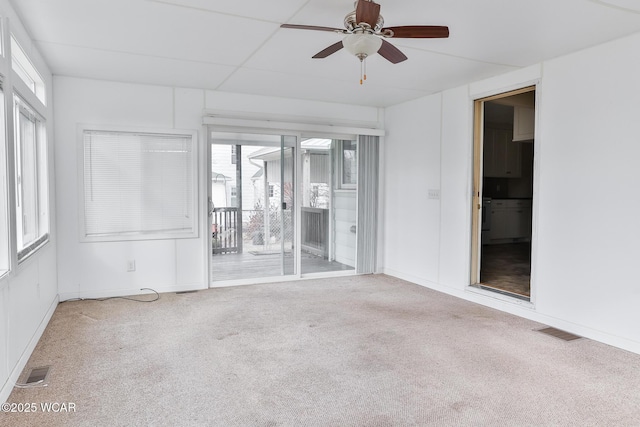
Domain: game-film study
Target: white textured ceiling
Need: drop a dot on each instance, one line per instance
(238, 46)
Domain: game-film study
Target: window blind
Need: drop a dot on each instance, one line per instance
(368, 171)
(138, 184)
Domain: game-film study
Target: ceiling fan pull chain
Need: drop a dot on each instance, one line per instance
(365, 68)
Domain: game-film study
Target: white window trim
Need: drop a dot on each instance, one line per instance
(81, 129)
(41, 132)
(24, 69)
(341, 184)
(4, 188)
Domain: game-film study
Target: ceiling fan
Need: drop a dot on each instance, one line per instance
(366, 34)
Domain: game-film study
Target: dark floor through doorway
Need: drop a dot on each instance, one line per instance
(507, 267)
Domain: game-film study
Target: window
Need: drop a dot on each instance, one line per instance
(349, 164)
(32, 195)
(234, 155)
(138, 185)
(271, 190)
(4, 199)
(23, 67)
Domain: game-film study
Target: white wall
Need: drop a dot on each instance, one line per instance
(28, 293)
(586, 206)
(411, 218)
(99, 269)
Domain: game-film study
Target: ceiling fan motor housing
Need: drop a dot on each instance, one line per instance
(353, 27)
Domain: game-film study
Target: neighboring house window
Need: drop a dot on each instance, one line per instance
(138, 185)
(271, 190)
(23, 67)
(32, 196)
(349, 164)
(4, 194)
(233, 155)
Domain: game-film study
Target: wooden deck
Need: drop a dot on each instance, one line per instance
(254, 265)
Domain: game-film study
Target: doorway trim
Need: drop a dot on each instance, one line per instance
(478, 145)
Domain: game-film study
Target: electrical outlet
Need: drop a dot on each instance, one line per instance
(131, 265)
(434, 194)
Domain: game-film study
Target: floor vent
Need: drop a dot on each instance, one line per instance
(565, 336)
(185, 292)
(38, 375)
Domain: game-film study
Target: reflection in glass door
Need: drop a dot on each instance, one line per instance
(252, 206)
(328, 217)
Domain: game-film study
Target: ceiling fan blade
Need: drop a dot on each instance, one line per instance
(310, 27)
(328, 51)
(419, 32)
(391, 53)
(367, 11)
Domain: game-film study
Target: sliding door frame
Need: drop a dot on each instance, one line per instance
(270, 124)
(297, 235)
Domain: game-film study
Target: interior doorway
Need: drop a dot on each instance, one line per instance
(503, 183)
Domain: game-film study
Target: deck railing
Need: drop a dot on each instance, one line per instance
(315, 227)
(224, 230)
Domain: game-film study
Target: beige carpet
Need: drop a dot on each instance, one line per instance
(357, 351)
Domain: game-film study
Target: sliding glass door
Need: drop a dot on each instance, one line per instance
(287, 205)
(252, 206)
(329, 194)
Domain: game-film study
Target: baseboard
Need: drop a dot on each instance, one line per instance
(26, 354)
(520, 309)
(108, 293)
(282, 279)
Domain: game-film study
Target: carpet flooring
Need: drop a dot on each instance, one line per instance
(353, 351)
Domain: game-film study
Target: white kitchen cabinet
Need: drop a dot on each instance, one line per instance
(502, 157)
(513, 160)
(521, 220)
(523, 123)
(510, 219)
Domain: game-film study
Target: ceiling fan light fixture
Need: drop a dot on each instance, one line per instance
(362, 44)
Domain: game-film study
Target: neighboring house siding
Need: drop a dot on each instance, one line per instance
(221, 163)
